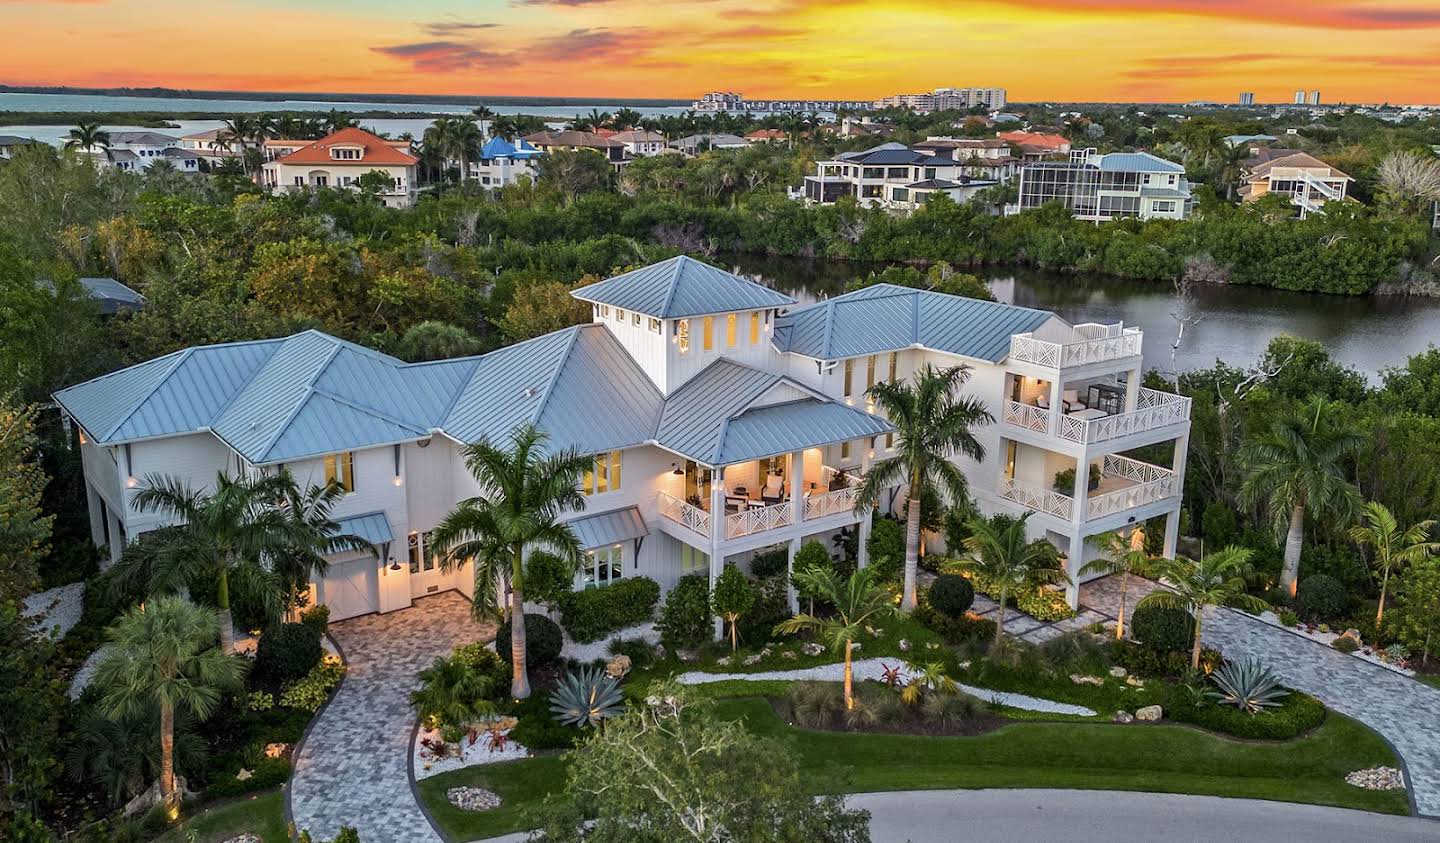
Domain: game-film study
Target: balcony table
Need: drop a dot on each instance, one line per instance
(1088, 415)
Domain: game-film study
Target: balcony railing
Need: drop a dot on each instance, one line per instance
(1028, 416)
(1038, 499)
(757, 519)
(1090, 343)
(832, 502)
(686, 515)
(1152, 483)
(1153, 409)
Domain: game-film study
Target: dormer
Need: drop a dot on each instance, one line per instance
(676, 317)
(347, 152)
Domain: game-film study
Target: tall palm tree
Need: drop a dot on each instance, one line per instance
(314, 535)
(1123, 555)
(1297, 468)
(503, 126)
(932, 424)
(523, 492)
(1216, 580)
(626, 118)
(998, 550)
(466, 141)
(88, 137)
(857, 602)
(1391, 547)
(163, 655)
(484, 116)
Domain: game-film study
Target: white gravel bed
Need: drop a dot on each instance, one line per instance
(82, 677)
(873, 669)
(58, 609)
(1328, 639)
(471, 755)
(601, 649)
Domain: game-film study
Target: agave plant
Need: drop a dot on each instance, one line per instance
(586, 697)
(1248, 685)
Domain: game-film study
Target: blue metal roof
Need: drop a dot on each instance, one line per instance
(112, 295)
(1138, 162)
(498, 147)
(680, 287)
(793, 426)
(887, 317)
(607, 528)
(373, 527)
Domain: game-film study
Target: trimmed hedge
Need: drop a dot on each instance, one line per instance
(1298, 713)
(594, 613)
(543, 641)
(1164, 628)
(952, 594)
(288, 651)
(770, 563)
(886, 548)
(1322, 597)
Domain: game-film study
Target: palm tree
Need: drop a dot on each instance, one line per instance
(483, 115)
(932, 423)
(87, 137)
(523, 492)
(163, 655)
(1000, 552)
(626, 118)
(503, 126)
(1216, 580)
(1124, 555)
(466, 141)
(314, 535)
(1297, 468)
(857, 601)
(1392, 546)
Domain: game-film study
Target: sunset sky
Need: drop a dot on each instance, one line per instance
(1121, 50)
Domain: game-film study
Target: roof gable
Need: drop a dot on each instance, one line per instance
(681, 287)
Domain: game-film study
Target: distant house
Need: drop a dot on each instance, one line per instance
(570, 140)
(112, 296)
(209, 146)
(695, 144)
(892, 176)
(981, 158)
(1105, 187)
(1308, 181)
(1249, 140)
(340, 159)
(640, 143)
(502, 162)
(134, 152)
(10, 143)
(1036, 146)
(771, 135)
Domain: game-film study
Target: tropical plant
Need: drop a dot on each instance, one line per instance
(314, 535)
(856, 601)
(237, 534)
(162, 658)
(1218, 579)
(88, 137)
(1296, 469)
(585, 697)
(1419, 596)
(1391, 547)
(932, 425)
(523, 493)
(120, 754)
(999, 551)
(928, 679)
(732, 597)
(1123, 555)
(453, 692)
(1409, 181)
(1248, 685)
(951, 595)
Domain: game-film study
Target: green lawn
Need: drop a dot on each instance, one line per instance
(1432, 679)
(1100, 756)
(263, 814)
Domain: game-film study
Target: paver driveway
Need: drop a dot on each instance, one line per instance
(353, 766)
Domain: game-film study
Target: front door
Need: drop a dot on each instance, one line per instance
(425, 575)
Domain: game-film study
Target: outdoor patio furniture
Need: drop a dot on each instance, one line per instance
(1107, 397)
(1088, 415)
(774, 490)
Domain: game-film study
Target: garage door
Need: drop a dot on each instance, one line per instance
(351, 589)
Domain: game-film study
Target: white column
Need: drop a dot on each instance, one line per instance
(1073, 564)
(1132, 390)
(1177, 462)
(1056, 409)
(1081, 513)
(717, 534)
(862, 553)
(797, 487)
(97, 525)
(1172, 532)
(792, 597)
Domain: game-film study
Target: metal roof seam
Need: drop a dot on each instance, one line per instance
(555, 375)
(299, 401)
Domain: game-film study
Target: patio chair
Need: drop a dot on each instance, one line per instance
(774, 491)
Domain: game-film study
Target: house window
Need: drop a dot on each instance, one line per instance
(845, 450)
(849, 377)
(340, 470)
(299, 181)
(709, 333)
(682, 335)
(654, 325)
(693, 561)
(602, 566)
(754, 327)
(603, 474)
(869, 373)
(619, 314)
(730, 323)
(889, 440)
(321, 181)
(894, 364)
(635, 319)
(431, 558)
(604, 311)
(414, 553)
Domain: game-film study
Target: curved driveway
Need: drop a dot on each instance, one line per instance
(353, 766)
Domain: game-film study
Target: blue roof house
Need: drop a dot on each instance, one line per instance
(720, 416)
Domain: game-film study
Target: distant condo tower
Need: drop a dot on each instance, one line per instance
(1299, 97)
(1247, 98)
(1314, 97)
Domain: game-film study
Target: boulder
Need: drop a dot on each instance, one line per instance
(1123, 717)
(618, 667)
(243, 775)
(1118, 672)
(1148, 713)
(1086, 680)
(472, 798)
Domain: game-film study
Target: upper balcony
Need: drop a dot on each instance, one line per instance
(748, 512)
(1123, 484)
(1087, 343)
(1084, 425)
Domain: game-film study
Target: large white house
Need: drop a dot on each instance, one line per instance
(134, 152)
(1100, 187)
(893, 176)
(339, 160)
(722, 418)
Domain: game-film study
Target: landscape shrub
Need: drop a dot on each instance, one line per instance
(1167, 629)
(1345, 644)
(639, 651)
(1322, 598)
(770, 563)
(771, 606)
(1145, 660)
(955, 629)
(287, 651)
(316, 618)
(952, 594)
(886, 548)
(812, 554)
(1287, 617)
(1218, 525)
(1045, 604)
(536, 729)
(1297, 713)
(592, 614)
(548, 578)
(685, 618)
(1339, 562)
(267, 773)
(543, 641)
(309, 693)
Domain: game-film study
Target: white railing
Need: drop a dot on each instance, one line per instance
(1153, 409)
(1152, 483)
(685, 514)
(757, 519)
(832, 502)
(1091, 343)
(1027, 416)
(1040, 500)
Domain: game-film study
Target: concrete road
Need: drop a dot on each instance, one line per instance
(1080, 816)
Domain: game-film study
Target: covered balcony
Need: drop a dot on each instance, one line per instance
(758, 496)
(1090, 410)
(1115, 484)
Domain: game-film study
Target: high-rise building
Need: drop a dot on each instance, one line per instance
(1299, 97)
(1314, 97)
(947, 99)
(1247, 98)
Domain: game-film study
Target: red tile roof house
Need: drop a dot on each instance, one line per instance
(340, 159)
(1037, 145)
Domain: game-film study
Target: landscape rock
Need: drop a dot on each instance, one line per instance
(1148, 713)
(1377, 778)
(1123, 717)
(812, 648)
(244, 837)
(472, 798)
(1118, 672)
(904, 645)
(243, 775)
(1086, 680)
(752, 659)
(788, 654)
(618, 667)
(277, 750)
(1135, 681)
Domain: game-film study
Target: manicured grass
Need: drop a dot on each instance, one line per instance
(1431, 679)
(263, 814)
(521, 786)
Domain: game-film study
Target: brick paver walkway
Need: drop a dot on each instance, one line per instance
(353, 768)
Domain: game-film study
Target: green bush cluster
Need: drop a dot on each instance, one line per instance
(685, 618)
(1321, 597)
(955, 629)
(1145, 660)
(543, 641)
(1345, 644)
(770, 563)
(1297, 714)
(1046, 604)
(639, 651)
(316, 618)
(886, 548)
(952, 595)
(593, 613)
(288, 651)
(267, 773)
(771, 606)
(536, 729)
(309, 693)
(1165, 628)
(1218, 524)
